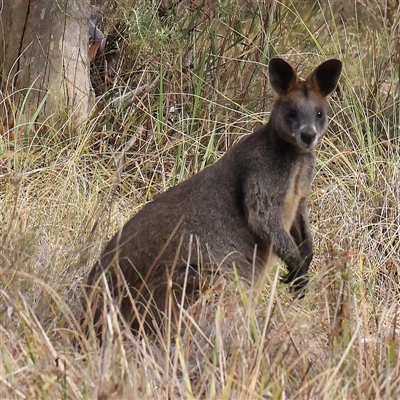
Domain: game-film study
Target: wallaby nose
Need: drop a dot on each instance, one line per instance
(308, 137)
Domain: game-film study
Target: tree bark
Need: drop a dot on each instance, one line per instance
(44, 65)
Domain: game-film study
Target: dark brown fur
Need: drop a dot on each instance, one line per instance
(243, 210)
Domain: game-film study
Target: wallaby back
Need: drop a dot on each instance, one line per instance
(242, 211)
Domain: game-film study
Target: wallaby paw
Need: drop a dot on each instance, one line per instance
(297, 284)
(298, 287)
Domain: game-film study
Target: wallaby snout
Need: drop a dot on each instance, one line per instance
(308, 137)
(243, 211)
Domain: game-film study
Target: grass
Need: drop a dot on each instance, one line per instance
(63, 194)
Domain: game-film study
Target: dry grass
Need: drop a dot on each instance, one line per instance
(63, 193)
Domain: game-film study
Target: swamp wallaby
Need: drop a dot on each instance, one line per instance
(240, 212)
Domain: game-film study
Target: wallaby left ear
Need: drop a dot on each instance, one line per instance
(325, 77)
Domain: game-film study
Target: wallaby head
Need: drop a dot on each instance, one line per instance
(300, 112)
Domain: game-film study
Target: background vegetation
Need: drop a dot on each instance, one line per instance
(194, 79)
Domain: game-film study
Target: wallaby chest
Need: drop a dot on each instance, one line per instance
(298, 188)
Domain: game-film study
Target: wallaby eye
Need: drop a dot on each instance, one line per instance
(320, 114)
(291, 114)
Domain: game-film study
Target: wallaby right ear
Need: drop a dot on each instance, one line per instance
(281, 75)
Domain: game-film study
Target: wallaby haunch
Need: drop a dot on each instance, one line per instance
(240, 212)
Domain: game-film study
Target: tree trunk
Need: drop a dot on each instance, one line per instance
(44, 65)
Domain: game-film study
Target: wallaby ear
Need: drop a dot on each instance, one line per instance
(281, 75)
(325, 77)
